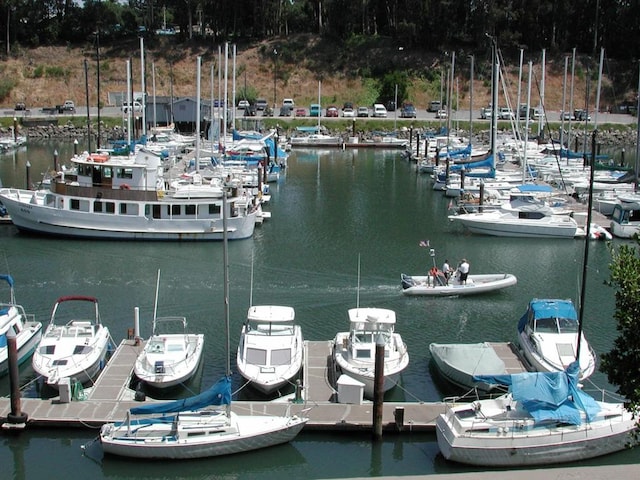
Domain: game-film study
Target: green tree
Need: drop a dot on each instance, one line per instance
(622, 363)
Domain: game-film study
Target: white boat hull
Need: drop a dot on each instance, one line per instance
(507, 443)
(26, 341)
(173, 372)
(495, 224)
(83, 369)
(156, 440)
(476, 284)
(33, 212)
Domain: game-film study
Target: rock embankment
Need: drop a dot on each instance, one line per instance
(623, 137)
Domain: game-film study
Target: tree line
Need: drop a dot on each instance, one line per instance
(556, 25)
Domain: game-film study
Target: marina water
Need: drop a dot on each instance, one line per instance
(334, 213)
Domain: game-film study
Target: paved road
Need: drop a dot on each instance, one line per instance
(422, 115)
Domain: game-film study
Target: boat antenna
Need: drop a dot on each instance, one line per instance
(251, 288)
(155, 303)
(358, 289)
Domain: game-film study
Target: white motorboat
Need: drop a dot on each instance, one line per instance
(316, 140)
(520, 223)
(171, 355)
(196, 429)
(354, 351)
(427, 285)
(191, 428)
(75, 349)
(113, 197)
(544, 419)
(169, 359)
(271, 347)
(625, 219)
(548, 337)
(459, 363)
(14, 321)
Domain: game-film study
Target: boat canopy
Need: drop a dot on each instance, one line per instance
(7, 278)
(271, 313)
(549, 308)
(372, 315)
(218, 394)
(307, 129)
(549, 396)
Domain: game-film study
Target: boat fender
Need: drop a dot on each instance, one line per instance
(125, 186)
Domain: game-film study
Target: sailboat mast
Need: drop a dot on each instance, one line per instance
(319, 103)
(225, 263)
(585, 258)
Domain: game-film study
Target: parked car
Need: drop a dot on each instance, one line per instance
(288, 102)
(301, 112)
(69, 106)
(285, 111)
(390, 106)
(242, 104)
(137, 107)
(267, 111)
(434, 106)
(20, 106)
(261, 104)
(486, 112)
(348, 112)
(505, 113)
(314, 110)
(441, 113)
(379, 110)
(566, 116)
(581, 115)
(408, 111)
(332, 111)
(250, 111)
(363, 111)
(347, 105)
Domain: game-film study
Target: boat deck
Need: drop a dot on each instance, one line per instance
(508, 353)
(111, 398)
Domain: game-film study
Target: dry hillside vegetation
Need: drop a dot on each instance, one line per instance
(48, 76)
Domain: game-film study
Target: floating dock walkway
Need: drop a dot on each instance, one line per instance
(110, 398)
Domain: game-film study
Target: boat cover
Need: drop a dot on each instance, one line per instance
(218, 394)
(549, 308)
(549, 395)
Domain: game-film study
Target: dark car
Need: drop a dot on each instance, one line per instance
(250, 111)
(285, 111)
(408, 111)
(390, 106)
(20, 106)
(261, 104)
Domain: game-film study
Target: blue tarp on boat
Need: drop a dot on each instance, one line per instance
(549, 395)
(218, 394)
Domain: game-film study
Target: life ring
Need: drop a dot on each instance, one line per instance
(125, 186)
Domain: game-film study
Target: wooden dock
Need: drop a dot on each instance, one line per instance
(111, 398)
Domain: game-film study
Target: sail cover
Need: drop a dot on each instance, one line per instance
(218, 394)
(549, 395)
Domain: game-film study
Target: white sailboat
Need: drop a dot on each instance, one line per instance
(198, 426)
(316, 138)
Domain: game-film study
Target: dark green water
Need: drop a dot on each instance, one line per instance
(332, 212)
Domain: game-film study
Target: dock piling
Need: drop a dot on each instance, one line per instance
(16, 419)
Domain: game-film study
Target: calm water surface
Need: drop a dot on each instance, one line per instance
(333, 213)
